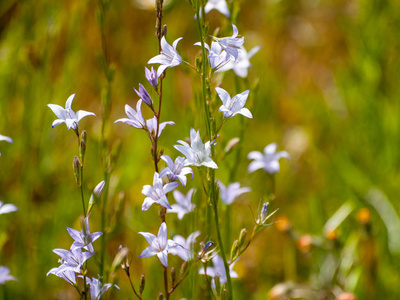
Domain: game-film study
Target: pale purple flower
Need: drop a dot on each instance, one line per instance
(5, 275)
(7, 208)
(269, 160)
(216, 56)
(219, 5)
(232, 107)
(219, 270)
(240, 67)
(5, 138)
(176, 170)
(135, 117)
(157, 192)
(98, 190)
(159, 245)
(197, 153)
(97, 289)
(168, 57)
(151, 76)
(144, 95)
(66, 274)
(232, 45)
(71, 260)
(151, 125)
(183, 204)
(231, 192)
(67, 115)
(186, 251)
(84, 239)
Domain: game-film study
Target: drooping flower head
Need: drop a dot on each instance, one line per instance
(186, 251)
(183, 204)
(232, 107)
(157, 192)
(232, 45)
(231, 192)
(176, 170)
(197, 153)
(168, 57)
(269, 160)
(135, 118)
(219, 5)
(67, 115)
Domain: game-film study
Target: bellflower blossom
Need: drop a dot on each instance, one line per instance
(159, 245)
(68, 275)
(67, 115)
(219, 5)
(157, 192)
(184, 252)
(71, 260)
(5, 275)
(240, 67)
(7, 208)
(269, 160)
(97, 289)
(231, 107)
(135, 117)
(184, 203)
(144, 95)
(151, 76)
(176, 170)
(197, 153)
(168, 57)
(151, 125)
(84, 239)
(219, 270)
(216, 56)
(231, 192)
(232, 45)
(5, 138)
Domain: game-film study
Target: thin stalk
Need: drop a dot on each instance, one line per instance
(82, 196)
(166, 282)
(133, 288)
(103, 223)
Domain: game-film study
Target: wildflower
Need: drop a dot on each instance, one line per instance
(151, 126)
(231, 192)
(232, 45)
(159, 245)
(184, 252)
(231, 107)
(168, 57)
(219, 5)
(71, 260)
(5, 138)
(144, 95)
(84, 239)
(135, 117)
(176, 170)
(157, 192)
(269, 160)
(151, 76)
(240, 67)
(7, 208)
(98, 190)
(264, 213)
(5, 275)
(197, 153)
(219, 270)
(68, 275)
(97, 289)
(216, 56)
(67, 115)
(184, 203)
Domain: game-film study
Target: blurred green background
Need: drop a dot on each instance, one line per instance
(325, 87)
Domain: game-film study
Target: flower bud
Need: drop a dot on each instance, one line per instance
(173, 276)
(164, 30)
(144, 95)
(242, 237)
(151, 76)
(232, 144)
(264, 212)
(234, 250)
(119, 260)
(183, 269)
(98, 190)
(77, 170)
(141, 284)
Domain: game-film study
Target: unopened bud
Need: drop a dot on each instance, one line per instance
(141, 284)
(217, 283)
(208, 246)
(164, 31)
(183, 269)
(173, 276)
(242, 237)
(82, 150)
(264, 212)
(234, 250)
(119, 259)
(232, 144)
(98, 190)
(83, 136)
(77, 170)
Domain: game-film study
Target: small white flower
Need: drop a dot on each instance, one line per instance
(176, 170)
(151, 125)
(184, 203)
(269, 160)
(135, 117)
(7, 208)
(159, 245)
(5, 275)
(169, 57)
(157, 192)
(67, 115)
(219, 5)
(231, 107)
(219, 270)
(186, 251)
(232, 45)
(197, 153)
(231, 192)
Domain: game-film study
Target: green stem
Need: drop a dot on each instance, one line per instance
(103, 223)
(166, 282)
(82, 196)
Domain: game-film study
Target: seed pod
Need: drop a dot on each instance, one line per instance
(173, 276)
(242, 237)
(141, 284)
(183, 269)
(235, 249)
(77, 170)
(231, 144)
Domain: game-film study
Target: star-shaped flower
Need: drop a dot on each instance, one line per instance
(7, 208)
(67, 115)
(219, 270)
(231, 192)
(216, 56)
(176, 170)
(84, 239)
(151, 125)
(135, 117)
(240, 67)
(71, 260)
(219, 5)
(232, 45)
(159, 245)
(184, 203)
(157, 192)
(97, 289)
(269, 160)
(197, 153)
(186, 251)
(232, 107)
(5, 275)
(168, 57)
